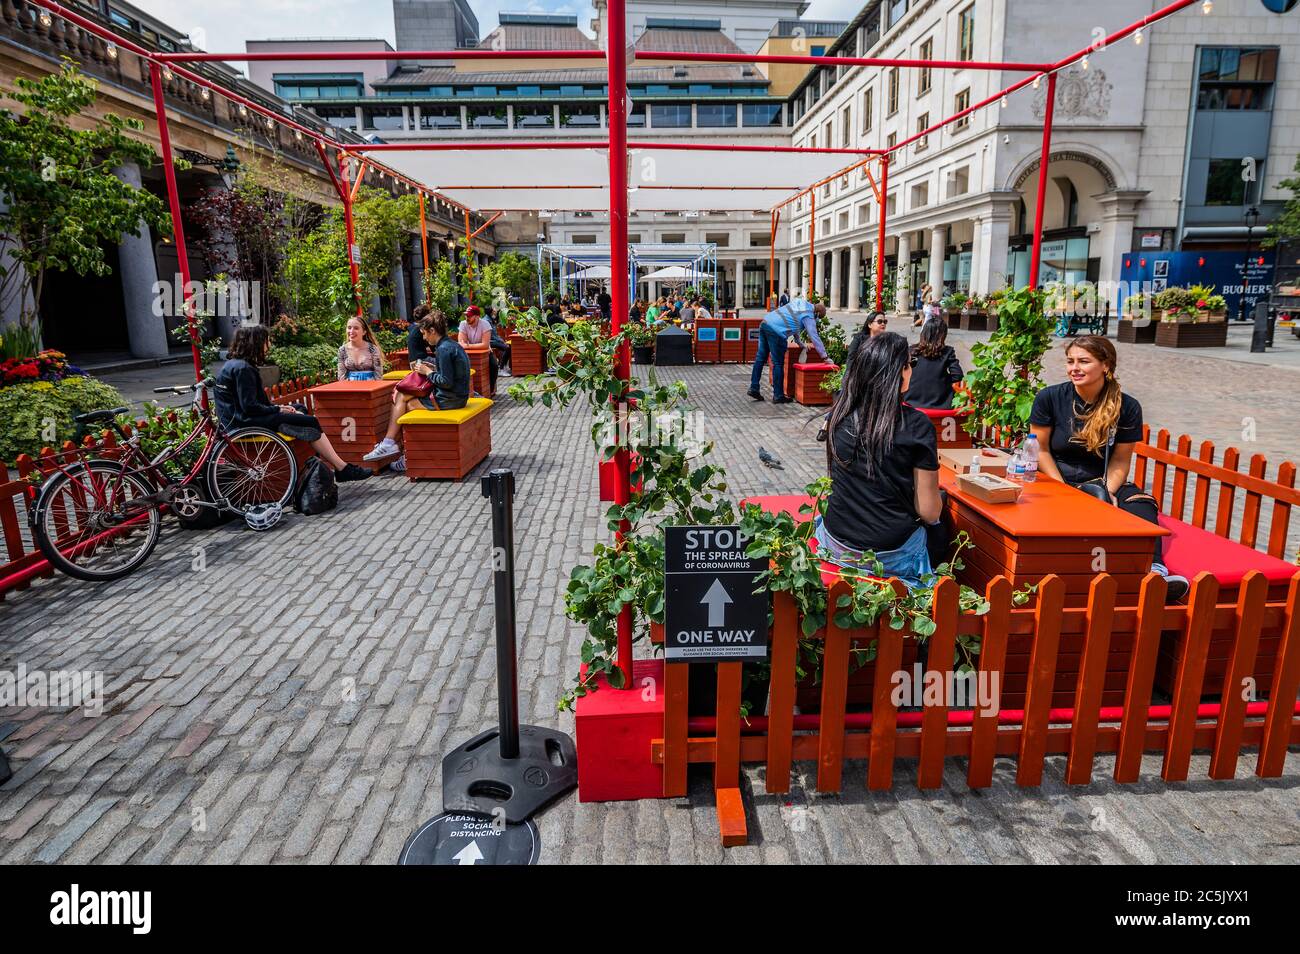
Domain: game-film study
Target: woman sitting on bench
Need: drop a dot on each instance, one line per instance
(242, 402)
(359, 357)
(884, 467)
(449, 373)
(1086, 428)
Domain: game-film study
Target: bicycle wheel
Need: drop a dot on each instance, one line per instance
(253, 466)
(84, 523)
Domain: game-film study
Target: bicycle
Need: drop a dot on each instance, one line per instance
(98, 518)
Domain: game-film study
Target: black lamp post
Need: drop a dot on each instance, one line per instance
(1252, 217)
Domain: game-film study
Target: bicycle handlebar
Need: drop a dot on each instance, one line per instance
(185, 388)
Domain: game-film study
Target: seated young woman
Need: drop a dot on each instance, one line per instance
(1086, 429)
(935, 368)
(359, 357)
(884, 468)
(447, 370)
(242, 402)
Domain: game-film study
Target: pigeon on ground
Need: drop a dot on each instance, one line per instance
(768, 460)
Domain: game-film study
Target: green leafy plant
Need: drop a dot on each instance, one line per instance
(296, 361)
(161, 428)
(1006, 371)
(1287, 223)
(41, 414)
(1138, 304)
(834, 338)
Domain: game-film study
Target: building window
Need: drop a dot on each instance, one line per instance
(584, 240)
(670, 115)
(920, 195)
(579, 115)
(534, 117)
(846, 127)
(319, 85)
(760, 239)
(486, 117)
(439, 117)
(761, 114)
(868, 109)
(384, 117)
(829, 136)
(966, 34)
(923, 76)
(1223, 185)
(715, 114)
(959, 182)
(673, 238)
(891, 106)
(636, 115)
(897, 10)
(342, 117)
(1236, 78)
(720, 239)
(891, 140)
(864, 213)
(922, 123)
(843, 224)
(961, 102)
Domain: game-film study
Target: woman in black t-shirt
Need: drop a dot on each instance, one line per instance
(935, 367)
(1086, 429)
(884, 468)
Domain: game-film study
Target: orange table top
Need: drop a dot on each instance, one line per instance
(353, 387)
(1049, 508)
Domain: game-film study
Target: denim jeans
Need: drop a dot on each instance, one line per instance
(909, 563)
(769, 343)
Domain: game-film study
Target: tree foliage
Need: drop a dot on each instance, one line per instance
(1287, 224)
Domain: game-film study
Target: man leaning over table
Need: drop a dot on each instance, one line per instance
(784, 324)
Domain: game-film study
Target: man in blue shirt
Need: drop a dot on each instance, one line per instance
(778, 327)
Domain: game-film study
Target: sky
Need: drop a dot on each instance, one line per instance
(222, 26)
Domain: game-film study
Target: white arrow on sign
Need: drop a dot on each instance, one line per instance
(468, 855)
(717, 600)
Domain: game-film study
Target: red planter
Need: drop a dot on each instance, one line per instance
(354, 415)
(526, 356)
(808, 380)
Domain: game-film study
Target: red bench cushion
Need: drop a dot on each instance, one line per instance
(817, 366)
(940, 412)
(1189, 550)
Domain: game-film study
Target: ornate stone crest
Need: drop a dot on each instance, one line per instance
(1079, 94)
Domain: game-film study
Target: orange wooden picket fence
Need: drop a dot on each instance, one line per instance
(938, 732)
(23, 560)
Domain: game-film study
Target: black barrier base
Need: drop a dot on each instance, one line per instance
(476, 778)
(5, 772)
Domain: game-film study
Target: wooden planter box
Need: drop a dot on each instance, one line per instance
(731, 346)
(1192, 334)
(480, 380)
(808, 380)
(354, 415)
(526, 356)
(974, 321)
(398, 360)
(447, 444)
(808, 695)
(1137, 334)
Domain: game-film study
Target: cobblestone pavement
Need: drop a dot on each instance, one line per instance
(287, 697)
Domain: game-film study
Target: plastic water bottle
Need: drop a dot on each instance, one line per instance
(1016, 466)
(1029, 455)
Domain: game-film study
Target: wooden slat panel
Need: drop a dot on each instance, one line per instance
(884, 716)
(1051, 598)
(1201, 496)
(1092, 674)
(676, 711)
(1280, 517)
(1178, 499)
(1191, 675)
(1250, 513)
(726, 771)
(1245, 646)
(835, 687)
(993, 648)
(1158, 478)
(731, 817)
(1227, 494)
(1141, 673)
(934, 720)
(1140, 458)
(780, 732)
(1279, 721)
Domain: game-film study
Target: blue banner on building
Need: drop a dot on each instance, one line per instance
(1223, 270)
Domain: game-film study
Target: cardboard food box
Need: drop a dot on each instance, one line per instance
(957, 459)
(990, 488)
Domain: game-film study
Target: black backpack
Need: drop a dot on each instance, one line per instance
(317, 489)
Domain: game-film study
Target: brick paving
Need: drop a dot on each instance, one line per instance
(287, 697)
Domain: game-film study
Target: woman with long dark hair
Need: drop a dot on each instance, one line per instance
(1086, 428)
(884, 468)
(242, 402)
(935, 368)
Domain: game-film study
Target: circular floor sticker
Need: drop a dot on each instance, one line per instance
(464, 838)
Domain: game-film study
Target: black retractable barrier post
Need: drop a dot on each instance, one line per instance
(1261, 337)
(530, 765)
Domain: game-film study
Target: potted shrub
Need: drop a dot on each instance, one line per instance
(973, 313)
(952, 306)
(642, 340)
(1174, 304)
(1179, 326)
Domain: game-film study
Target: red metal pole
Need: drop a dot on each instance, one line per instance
(808, 60)
(354, 253)
(616, 58)
(880, 241)
(771, 263)
(178, 228)
(812, 242)
(424, 251)
(1035, 258)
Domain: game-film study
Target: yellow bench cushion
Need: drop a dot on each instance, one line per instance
(395, 375)
(458, 416)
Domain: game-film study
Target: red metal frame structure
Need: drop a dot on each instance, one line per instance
(161, 65)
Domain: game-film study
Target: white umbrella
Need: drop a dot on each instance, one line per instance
(592, 272)
(675, 273)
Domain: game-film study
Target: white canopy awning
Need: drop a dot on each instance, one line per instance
(665, 180)
(593, 272)
(675, 273)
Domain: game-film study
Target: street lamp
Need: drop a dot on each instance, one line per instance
(1251, 216)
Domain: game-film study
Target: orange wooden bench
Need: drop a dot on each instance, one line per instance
(808, 378)
(447, 444)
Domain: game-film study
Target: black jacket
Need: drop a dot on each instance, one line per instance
(450, 375)
(241, 399)
(933, 378)
(417, 349)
